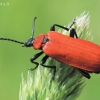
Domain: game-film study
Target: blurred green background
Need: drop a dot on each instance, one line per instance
(16, 22)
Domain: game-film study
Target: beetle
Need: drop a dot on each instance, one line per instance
(81, 54)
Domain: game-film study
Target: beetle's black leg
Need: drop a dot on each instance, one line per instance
(54, 25)
(33, 58)
(53, 67)
(72, 23)
(97, 72)
(73, 32)
(84, 73)
(67, 29)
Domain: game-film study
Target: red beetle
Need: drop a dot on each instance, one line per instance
(81, 54)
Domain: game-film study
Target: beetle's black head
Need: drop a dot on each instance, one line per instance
(29, 42)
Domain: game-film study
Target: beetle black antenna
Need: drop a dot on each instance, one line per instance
(33, 26)
(12, 40)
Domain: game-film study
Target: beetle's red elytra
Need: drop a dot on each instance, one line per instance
(79, 53)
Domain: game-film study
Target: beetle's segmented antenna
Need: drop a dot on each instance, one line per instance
(12, 40)
(33, 27)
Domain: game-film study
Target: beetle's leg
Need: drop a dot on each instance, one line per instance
(54, 25)
(72, 23)
(73, 32)
(53, 67)
(33, 58)
(84, 73)
(97, 72)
